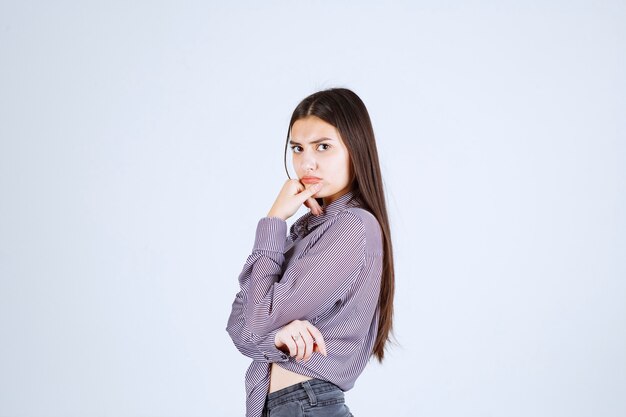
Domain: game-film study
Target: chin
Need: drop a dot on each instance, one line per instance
(320, 192)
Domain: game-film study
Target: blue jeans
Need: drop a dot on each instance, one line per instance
(312, 398)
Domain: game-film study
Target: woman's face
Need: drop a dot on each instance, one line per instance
(319, 155)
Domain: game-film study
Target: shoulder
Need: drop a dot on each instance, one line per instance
(373, 231)
(367, 218)
(345, 223)
(368, 225)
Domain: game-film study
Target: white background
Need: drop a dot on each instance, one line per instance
(140, 142)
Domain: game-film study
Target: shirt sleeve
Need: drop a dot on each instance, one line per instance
(313, 282)
(257, 347)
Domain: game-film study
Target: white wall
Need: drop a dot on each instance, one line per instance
(140, 142)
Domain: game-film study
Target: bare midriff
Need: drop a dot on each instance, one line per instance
(281, 378)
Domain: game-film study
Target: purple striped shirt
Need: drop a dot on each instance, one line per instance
(327, 271)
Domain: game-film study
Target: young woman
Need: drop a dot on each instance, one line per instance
(316, 303)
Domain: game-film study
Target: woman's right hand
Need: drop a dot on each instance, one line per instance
(292, 196)
(301, 339)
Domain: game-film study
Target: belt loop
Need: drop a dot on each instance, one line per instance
(309, 392)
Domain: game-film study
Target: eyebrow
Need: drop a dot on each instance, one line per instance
(313, 141)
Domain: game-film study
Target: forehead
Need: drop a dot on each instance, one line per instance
(312, 128)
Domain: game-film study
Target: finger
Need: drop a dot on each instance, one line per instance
(308, 192)
(291, 345)
(308, 344)
(319, 339)
(298, 186)
(300, 344)
(312, 203)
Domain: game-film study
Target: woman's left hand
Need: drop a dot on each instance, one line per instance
(300, 338)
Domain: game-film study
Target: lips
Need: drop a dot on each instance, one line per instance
(310, 180)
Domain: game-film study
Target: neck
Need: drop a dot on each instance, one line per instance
(329, 199)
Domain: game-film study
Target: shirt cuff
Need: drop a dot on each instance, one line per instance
(271, 233)
(269, 350)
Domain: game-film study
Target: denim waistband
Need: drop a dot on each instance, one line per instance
(301, 391)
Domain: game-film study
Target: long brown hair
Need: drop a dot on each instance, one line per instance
(344, 110)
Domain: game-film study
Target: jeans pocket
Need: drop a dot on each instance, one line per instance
(288, 409)
(339, 409)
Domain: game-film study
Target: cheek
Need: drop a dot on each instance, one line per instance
(340, 168)
(295, 163)
(346, 165)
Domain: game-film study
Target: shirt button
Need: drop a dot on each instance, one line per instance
(265, 356)
(283, 356)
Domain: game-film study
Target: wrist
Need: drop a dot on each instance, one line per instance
(273, 214)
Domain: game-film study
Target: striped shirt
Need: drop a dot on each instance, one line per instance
(327, 270)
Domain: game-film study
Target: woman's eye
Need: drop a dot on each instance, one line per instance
(326, 146)
(295, 148)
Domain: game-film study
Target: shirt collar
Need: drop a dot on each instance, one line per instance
(309, 221)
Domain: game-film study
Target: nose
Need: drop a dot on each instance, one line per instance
(307, 162)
